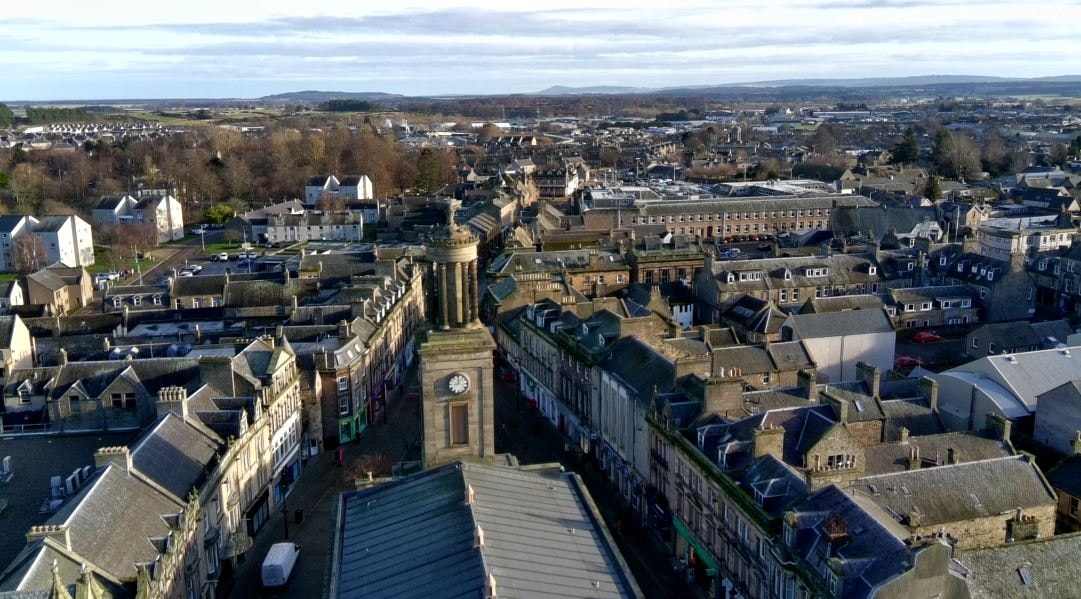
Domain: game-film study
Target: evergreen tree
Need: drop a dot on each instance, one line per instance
(428, 169)
(907, 151)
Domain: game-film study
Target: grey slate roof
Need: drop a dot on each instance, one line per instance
(1050, 566)
(934, 451)
(961, 491)
(416, 538)
(175, 454)
(1066, 476)
(837, 324)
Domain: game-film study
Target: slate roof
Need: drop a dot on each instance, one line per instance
(960, 492)
(880, 220)
(838, 324)
(416, 537)
(872, 551)
(1026, 570)
(842, 303)
(914, 414)
(111, 522)
(1022, 335)
(51, 224)
(640, 366)
(1066, 475)
(110, 202)
(175, 454)
(9, 222)
(934, 451)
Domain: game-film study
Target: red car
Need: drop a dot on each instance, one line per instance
(926, 337)
(906, 362)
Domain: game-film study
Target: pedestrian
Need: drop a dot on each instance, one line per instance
(341, 456)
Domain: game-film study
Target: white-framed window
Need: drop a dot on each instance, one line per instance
(343, 405)
(157, 300)
(975, 343)
(137, 300)
(117, 301)
(343, 383)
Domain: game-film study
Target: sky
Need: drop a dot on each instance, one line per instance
(115, 49)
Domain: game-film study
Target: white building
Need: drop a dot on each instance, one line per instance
(318, 186)
(1006, 385)
(837, 341)
(355, 187)
(67, 239)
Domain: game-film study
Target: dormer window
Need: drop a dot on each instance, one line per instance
(911, 266)
(731, 278)
(942, 261)
(872, 270)
(787, 275)
(990, 275)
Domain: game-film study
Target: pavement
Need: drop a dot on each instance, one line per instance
(316, 494)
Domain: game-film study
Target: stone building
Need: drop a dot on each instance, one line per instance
(456, 354)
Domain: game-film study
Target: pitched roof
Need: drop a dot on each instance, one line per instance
(175, 454)
(1033, 569)
(417, 537)
(837, 324)
(959, 492)
(1066, 475)
(934, 451)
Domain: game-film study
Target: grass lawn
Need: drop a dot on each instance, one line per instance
(222, 246)
(7, 277)
(103, 266)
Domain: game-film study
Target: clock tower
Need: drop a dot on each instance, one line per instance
(456, 353)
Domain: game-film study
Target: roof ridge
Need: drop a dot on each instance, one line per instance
(1019, 457)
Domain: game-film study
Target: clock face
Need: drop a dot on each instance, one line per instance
(458, 384)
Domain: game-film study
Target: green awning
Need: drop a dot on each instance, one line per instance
(700, 550)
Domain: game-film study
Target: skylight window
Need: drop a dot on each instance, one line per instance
(975, 500)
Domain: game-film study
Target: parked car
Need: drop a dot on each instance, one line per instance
(223, 257)
(926, 337)
(764, 247)
(278, 564)
(730, 253)
(198, 231)
(185, 273)
(906, 363)
(252, 255)
(194, 268)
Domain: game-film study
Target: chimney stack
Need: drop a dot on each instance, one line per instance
(173, 399)
(769, 441)
(118, 456)
(952, 455)
(57, 532)
(1075, 445)
(1000, 424)
(808, 381)
(870, 375)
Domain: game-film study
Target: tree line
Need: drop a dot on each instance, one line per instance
(208, 165)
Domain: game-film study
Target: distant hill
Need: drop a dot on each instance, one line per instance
(321, 96)
(919, 80)
(563, 90)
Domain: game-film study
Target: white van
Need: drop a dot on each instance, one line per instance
(278, 564)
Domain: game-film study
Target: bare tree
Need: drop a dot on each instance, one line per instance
(28, 253)
(330, 203)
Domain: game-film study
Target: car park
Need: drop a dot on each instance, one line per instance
(906, 363)
(729, 254)
(762, 247)
(194, 268)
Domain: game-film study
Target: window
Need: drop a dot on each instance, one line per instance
(74, 405)
(157, 300)
(343, 383)
(975, 343)
(620, 279)
(195, 303)
(129, 401)
(1074, 505)
(835, 461)
(137, 300)
(117, 400)
(343, 405)
(24, 395)
(459, 424)
(990, 348)
(116, 301)
(649, 277)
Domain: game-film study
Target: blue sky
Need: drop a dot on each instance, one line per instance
(74, 49)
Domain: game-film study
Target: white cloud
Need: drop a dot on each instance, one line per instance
(206, 48)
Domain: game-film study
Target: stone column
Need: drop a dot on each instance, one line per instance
(474, 303)
(444, 312)
(459, 293)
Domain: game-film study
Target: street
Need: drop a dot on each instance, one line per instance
(518, 430)
(316, 494)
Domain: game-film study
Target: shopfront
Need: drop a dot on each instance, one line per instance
(700, 567)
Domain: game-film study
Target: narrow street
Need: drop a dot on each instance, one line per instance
(534, 440)
(519, 431)
(316, 494)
